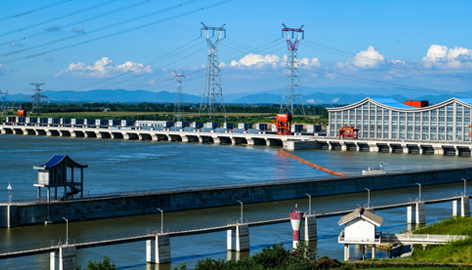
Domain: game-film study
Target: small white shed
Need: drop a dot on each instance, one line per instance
(360, 228)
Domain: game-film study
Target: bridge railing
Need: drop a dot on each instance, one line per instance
(12, 249)
(424, 237)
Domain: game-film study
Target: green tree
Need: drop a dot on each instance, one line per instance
(106, 264)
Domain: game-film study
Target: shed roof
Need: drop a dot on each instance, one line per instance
(58, 159)
(361, 213)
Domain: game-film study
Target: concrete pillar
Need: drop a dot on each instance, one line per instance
(390, 148)
(373, 147)
(358, 148)
(420, 213)
(465, 206)
(249, 141)
(36, 132)
(200, 139)
(72, 134)
(409, 214)
(454, 208)
(343, 145)
(310, 229)
(216, 140)
(230, 240)
(98, 135)
(233, 141)
(125, 136)
(346, 252)
(330, 147)
(456, 149)
(149, 251)
(438, 150)
(373, 251)
(140, 137)
(242, 237)
(52, 260)
(169, 138)
(25, 132)
(48, 133)
(420, 149)
(184, 138)
(61, 134)
(405, 148)
(162, 249)
(67, 258)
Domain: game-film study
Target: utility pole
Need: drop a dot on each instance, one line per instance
(178, 106)
(292, 91)
(4, 104)
(37, 96)
(212, 99)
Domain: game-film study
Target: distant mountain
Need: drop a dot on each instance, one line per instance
(118, 95)
(335, 95)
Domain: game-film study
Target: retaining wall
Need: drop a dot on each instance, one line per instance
(24, 214)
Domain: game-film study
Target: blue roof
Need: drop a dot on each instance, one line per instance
(392, 103)
(56, 159)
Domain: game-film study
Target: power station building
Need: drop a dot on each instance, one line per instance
(385, 118)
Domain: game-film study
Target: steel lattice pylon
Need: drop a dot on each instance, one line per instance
(292, 73)
(212, 99)
(178, 105)
(3, 95)
(37, 96)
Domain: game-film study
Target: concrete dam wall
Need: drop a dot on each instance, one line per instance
(19, 214)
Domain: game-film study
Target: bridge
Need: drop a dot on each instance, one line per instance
(158, 240)
(294, 142)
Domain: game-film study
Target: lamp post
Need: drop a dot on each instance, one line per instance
(67, 231)
(368, 197)
(242, 210)
(9, 196)
(419, 197)
(465, 187)
(162, 220)
(309, 203)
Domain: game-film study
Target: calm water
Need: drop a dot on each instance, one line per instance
(119, 165)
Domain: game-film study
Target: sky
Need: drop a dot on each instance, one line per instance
(349, 46)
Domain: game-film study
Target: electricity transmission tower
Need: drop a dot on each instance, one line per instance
(4, 104)
(212, 99)
(292, 72)
(37, 96)
(178, 106)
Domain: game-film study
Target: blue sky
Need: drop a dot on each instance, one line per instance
(362, 44)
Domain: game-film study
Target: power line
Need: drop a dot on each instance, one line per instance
(159, 59)
(78, 22)
(121, 32)
(34, 10)
(55, 19)
(99, 29)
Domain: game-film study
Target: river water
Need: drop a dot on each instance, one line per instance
(121, 165)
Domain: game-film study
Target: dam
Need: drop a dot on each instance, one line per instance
(298, 141)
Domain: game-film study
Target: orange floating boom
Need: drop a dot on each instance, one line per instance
(311, 164)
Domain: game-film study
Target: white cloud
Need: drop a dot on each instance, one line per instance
(104, 68)
(369, 58)
(273, 61)
(15, 44)
(443, 57)
(257, 61)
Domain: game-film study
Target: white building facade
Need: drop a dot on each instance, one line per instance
(385, 118)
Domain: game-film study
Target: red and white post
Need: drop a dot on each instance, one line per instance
(296, 220)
